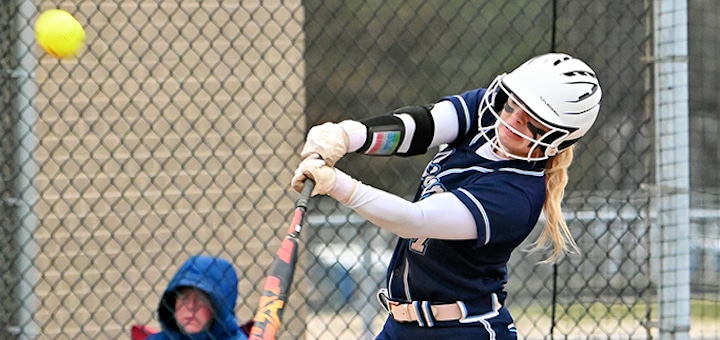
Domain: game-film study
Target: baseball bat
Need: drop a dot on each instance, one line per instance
(268, 318)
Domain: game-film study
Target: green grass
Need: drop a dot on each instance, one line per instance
(705, 310)
(601, 319)
(699, 309)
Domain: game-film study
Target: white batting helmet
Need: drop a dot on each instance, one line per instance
(559, 91)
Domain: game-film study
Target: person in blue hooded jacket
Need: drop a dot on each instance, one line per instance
(199, 302)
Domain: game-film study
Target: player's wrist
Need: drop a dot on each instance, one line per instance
(343, 188)
(356, 133)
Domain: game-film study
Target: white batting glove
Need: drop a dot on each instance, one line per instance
(332, 141)
(328, 180)
(314, 168)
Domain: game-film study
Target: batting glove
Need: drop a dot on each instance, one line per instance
(328, 180)
(332, 141)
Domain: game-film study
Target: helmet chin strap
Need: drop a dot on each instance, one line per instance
(500, 152)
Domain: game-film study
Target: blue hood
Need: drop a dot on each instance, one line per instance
(218, 279)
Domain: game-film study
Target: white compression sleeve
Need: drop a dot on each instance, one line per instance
(446, 124)
(357, 133)
(440, 216)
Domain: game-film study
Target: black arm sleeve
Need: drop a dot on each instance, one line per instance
(390, 135)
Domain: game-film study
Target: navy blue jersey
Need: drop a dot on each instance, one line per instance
(505, 199)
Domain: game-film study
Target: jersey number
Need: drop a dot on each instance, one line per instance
(418, 245)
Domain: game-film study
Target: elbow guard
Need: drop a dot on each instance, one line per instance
(407, 131)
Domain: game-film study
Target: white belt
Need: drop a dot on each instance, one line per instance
(408, 312)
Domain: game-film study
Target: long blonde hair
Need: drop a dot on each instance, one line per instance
(556, 234)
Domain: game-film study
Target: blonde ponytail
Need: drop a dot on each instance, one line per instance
(556, 234)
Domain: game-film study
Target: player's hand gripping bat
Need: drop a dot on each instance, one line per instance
(268, 319)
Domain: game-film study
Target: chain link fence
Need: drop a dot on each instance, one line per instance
(176, 131)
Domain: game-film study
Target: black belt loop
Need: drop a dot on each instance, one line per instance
(382, 297)
(426, 313)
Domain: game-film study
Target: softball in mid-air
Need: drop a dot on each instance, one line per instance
(59, 33)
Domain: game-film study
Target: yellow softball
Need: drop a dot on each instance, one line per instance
(59, 33)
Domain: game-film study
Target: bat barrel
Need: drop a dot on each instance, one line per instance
(268, 318)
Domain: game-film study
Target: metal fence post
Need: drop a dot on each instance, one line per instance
(672, 167)
(27, 197)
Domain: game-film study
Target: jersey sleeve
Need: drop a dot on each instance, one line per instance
(467, 107)
(503, 211)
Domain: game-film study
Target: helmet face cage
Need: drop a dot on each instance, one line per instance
(490, 105)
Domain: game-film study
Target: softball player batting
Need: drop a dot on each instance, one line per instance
(503, 158)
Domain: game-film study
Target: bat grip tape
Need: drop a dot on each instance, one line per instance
(305, 194)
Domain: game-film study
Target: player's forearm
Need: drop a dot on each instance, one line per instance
(441, 216)
(407, 131)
